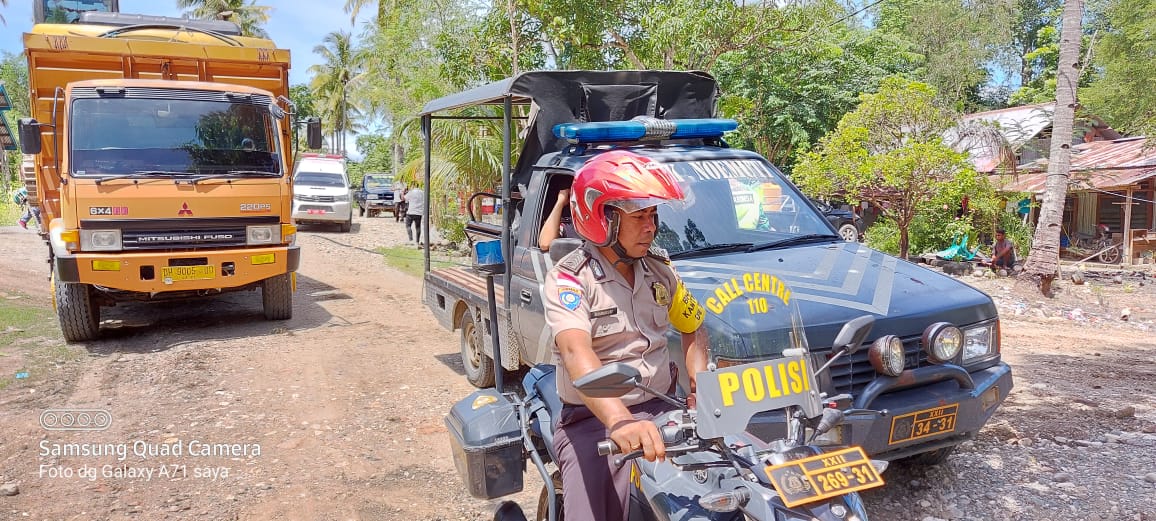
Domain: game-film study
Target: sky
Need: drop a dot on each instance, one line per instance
(297, 25)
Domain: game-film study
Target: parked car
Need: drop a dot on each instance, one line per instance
(321, 191)
(849, 225)
(376, 195)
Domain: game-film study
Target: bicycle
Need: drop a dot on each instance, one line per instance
(1108, 252)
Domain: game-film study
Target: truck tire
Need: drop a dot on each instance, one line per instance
(849, 233)
(929, 459)
(478, 365)
(277, 297)
(543, 513)
(347, 225)
(79, 315)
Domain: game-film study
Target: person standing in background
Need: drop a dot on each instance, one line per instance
(414, 213)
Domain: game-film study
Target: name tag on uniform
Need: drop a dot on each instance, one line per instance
(603, 313)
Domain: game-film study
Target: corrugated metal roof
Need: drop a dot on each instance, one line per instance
(1099, 164)
(1018, 125)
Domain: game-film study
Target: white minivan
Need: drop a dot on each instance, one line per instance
(321, 191)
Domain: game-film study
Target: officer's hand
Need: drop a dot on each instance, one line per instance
(691, 401)
(563, 198)
(632, 435)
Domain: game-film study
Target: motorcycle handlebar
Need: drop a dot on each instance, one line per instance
(607, 448)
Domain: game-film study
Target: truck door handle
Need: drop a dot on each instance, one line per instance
(526, 295)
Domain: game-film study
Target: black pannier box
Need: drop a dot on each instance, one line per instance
(486, 439)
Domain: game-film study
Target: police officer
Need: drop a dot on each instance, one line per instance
(613, 300)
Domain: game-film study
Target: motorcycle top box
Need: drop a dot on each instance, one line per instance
(487, 444)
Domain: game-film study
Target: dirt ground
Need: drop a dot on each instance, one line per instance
(338, 413)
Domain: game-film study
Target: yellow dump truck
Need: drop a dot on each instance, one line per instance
(163, 157)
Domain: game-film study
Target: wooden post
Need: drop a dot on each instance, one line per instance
(1127, 227)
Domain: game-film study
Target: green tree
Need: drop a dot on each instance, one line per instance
(890, 151)
(342, 65)
(249, 16)
(14, 77)
(1044, 259)
(956, 39)
(1125, 53)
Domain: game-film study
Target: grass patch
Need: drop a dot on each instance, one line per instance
(9, 214)
(30, 341)
(411, 260)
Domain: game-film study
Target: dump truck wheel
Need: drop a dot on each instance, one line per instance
(277, 297)
(478, 365)
(79, 315)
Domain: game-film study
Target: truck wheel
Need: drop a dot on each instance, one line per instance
(849, 232)
(79, 315)
(543, 513)
(347, 225)
(929, 459)
(479, 366)
(277, 297)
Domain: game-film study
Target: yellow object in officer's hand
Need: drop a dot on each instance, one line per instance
(685, 312)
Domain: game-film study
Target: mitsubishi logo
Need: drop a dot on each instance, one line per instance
(185, 209)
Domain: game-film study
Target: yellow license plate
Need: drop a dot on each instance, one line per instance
(175, 273)
(824, 476)
(921, 424)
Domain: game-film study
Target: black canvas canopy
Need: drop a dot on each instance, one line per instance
(558, 97)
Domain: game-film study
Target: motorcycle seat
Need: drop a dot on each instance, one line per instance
(539, 383)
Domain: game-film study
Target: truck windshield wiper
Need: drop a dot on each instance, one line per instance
(142, 173)
(799, 239)
(232, 173)
(712, 248)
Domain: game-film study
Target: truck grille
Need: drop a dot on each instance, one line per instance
(850, 374)
(315, 198)
(183, 238)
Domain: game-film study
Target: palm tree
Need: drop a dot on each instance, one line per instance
(245, 13)
(341, 65)
(3, 3)
(1044, 258)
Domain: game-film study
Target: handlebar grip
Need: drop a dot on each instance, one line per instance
(607, 447)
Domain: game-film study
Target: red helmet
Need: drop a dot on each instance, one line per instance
(619, 179)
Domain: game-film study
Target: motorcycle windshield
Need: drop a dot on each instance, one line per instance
(733, 392)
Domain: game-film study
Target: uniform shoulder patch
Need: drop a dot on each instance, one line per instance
(658, 253)
(574, 261)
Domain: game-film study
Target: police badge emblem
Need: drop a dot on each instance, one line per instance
(661, 294)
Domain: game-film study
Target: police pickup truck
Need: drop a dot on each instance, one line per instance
(933, 372)
(376, 195)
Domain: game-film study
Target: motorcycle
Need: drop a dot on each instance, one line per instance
(714, 470)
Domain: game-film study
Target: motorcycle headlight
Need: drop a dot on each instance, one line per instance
(980, 342)
(100, 240)
(942, 342)
(886, 355)
(270, 234)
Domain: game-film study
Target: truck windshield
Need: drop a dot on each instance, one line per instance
(318, 179)
(378, 181)
(126, 136)
(739, 205)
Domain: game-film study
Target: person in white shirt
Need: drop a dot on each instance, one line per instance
(415, 211)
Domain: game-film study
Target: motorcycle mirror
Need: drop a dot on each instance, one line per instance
(854, 332)
(609, 381)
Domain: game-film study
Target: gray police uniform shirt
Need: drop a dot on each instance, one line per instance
(626, 324)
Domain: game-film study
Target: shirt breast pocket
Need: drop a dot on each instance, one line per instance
(662, 318)
(606, 326)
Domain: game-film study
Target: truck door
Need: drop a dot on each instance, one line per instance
(529, 270)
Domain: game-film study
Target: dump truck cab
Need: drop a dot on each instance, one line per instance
(163, 152)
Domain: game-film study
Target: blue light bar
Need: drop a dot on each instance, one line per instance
(640, 129)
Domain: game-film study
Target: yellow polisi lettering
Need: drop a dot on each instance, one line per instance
(796, 378)
(753, 385)
(772, 388)
(728, 383)
(783, 378)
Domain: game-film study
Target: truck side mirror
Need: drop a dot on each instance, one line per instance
(29, 130)
(313, 133)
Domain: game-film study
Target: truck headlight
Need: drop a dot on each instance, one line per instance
(270, 234)
(942, 342)
(341, 198)
(887, 356)
(980, 342)
(100, 240)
